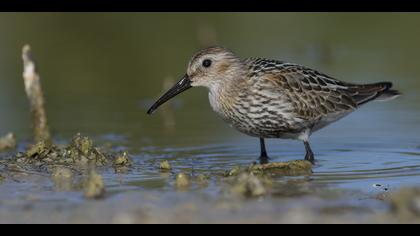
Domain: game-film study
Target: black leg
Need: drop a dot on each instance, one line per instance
(309, 154)
(263, 157)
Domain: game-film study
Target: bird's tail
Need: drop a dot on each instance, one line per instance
(369, 92)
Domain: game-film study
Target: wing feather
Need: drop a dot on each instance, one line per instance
(312, 95)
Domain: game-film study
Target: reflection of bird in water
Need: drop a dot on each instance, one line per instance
(273, 99)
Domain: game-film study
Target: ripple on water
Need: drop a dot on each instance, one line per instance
(357, 167)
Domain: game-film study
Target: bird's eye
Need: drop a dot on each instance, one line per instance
(207, 63)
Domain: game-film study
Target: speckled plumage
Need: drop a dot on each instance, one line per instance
(277, 99)
(274, 99)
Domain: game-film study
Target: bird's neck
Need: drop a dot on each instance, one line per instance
(222, 95)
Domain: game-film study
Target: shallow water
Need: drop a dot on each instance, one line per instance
(102, 71)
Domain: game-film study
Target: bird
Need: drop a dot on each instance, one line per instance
(267, 98)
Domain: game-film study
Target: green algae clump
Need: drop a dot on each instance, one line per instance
(236, 170)
(165, 166)
(255, 180)
(122, 160)
(84, 144)
(40, 149)
(290, 168)
(182, 181)
(82, 151)
(78, 155)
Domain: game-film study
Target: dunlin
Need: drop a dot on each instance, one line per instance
(273, 99)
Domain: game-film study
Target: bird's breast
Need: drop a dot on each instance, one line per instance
(253, 114)
(214, 100)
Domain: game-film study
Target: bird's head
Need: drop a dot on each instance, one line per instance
(209, 68)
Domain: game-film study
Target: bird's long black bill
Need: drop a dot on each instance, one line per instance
(181, 86)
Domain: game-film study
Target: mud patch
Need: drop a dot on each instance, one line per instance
(79, 155)
(291, 168)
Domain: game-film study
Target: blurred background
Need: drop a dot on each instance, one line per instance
(101, 71)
